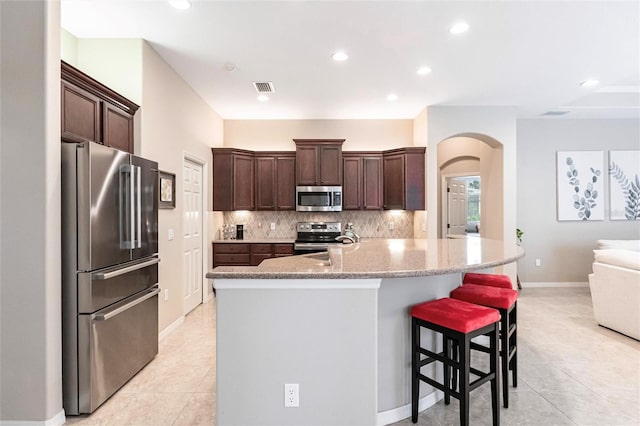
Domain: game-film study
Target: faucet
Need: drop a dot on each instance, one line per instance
(344, 238)
(349, 234)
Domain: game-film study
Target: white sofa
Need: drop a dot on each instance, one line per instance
(615, 286)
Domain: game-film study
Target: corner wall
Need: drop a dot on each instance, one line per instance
(498, 123)
(564, 248)
(30, 290)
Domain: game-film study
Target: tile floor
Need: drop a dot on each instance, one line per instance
(177, 388)
(571, 372)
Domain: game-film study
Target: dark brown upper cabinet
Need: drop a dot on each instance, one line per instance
(319, 161)
(90, 111)
(233, 179)
(275, 180)
(362, 187)
(404, 178)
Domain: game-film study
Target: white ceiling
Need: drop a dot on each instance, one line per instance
(531, 55)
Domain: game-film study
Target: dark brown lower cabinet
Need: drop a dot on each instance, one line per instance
(248, 254)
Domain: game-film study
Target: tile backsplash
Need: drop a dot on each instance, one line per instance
(367, 224)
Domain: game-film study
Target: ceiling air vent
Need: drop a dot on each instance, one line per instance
(555, 113)
(264, 86)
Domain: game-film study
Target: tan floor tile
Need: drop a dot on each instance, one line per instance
(200, 410)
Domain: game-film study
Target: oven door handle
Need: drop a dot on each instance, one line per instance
(103, 316)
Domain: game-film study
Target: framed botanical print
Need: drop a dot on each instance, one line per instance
(167, 192)
(580, 185)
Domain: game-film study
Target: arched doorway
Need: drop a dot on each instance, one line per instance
(479, 155)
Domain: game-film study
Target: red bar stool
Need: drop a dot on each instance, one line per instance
(505, 301)
(491, 280)
(458, 322)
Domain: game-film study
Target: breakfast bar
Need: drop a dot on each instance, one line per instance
(336, 324)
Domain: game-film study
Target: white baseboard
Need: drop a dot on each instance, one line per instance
(164, 333)
(207, 298)
(404, 412)
(57, 420)
(554, 284)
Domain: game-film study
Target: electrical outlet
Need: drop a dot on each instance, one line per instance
(273, 226)
(170, 234)
(291, 395)
(538, 263)
(166, 294)
(391, 225)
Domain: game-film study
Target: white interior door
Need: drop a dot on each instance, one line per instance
(192, 239)
(456, 207)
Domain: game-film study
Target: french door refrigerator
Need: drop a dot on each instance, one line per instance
(109, 271)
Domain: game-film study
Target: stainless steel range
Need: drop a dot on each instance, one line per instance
(316, 236)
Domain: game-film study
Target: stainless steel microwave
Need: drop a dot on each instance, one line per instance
(318, 198)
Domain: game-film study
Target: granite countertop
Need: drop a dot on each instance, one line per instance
(382, 258)
(259, 241)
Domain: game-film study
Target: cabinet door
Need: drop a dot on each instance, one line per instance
(286, 183)
(352, 186)
(371, 183)
(414, 181)
(234, 254)
(330, 161)
(283, 249)
(307, 165)
(117, 127)
(243, 181)
(222, 181)
(265, 183)
(80, 114)
(260, 252)
(394, 182)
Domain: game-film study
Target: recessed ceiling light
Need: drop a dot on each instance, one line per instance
(423, 71)
(589, 83)
(459, 28)
(263, 98)
(180, 4)
(392, 97)
(340, 56)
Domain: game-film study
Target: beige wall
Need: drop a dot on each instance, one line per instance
(114, 63)
(360, 135)
(30, 289)
(68, 48)
(175, 122)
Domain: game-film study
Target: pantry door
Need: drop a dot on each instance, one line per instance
(192, 225)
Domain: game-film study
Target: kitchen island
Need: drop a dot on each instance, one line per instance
(337, 324)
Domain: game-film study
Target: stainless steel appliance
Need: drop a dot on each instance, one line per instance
(109, 271)
(316, 236)
(319, 198)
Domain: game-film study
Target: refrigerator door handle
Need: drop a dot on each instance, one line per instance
(126, 212)
(139, 206)
(108, 275)
(103, 316)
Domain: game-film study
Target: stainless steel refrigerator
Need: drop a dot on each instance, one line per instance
(109, 271)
